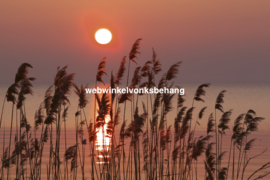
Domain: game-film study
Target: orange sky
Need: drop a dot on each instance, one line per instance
(211, 37)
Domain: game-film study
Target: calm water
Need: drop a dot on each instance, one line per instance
(239, 97)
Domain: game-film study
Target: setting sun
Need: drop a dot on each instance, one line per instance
(103, 36)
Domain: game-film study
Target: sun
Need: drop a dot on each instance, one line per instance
(103, 36)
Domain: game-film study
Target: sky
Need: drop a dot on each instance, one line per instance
(217, 41)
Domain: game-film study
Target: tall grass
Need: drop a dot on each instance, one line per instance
(147, 145)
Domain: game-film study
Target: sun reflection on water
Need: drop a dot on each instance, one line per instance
(103, 142)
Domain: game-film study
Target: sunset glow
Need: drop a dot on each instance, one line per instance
(135, 90)
(103, 36)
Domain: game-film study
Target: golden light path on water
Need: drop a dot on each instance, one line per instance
(103, 141)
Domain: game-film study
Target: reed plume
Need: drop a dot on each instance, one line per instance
(125, 97)
(104, 105)
(180, 100)
(185, 126)
(200, 146)
(180, 114)
(249, 144)
(150, 83)
(12, 91)
(46, 134)
(146, 68)
(71, 154)
(224, 121)
(101, 71)
(39, 117)
(26, 88)
(136, 77)
(210, 175)
(59, 76)
(135, 127)
(220, 100)
(167, 99)
(81, 93)
(48, 99)
(200, 92)
(201, 113)
(135, 50)
(210, 157)
(210, 124)
(121, 71)
(173, 70)
(22, 72)
(222, 175)
(156, 63)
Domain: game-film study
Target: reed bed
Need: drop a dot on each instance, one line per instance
(139, 143)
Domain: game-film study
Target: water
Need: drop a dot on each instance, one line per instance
(239, 97)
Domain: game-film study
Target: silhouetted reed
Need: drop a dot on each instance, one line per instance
(147, 145)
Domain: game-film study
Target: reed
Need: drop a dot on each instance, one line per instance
(147, 145)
